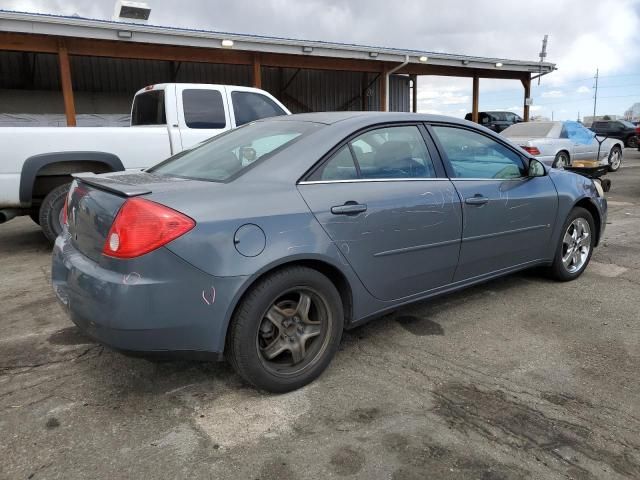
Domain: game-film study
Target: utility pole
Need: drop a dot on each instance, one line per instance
(543, 54)
(595, 96)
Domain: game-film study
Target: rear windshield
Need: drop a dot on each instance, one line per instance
(528, 129)
(228, 155)
(148, 109)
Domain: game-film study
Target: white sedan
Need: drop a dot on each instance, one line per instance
(559, 144)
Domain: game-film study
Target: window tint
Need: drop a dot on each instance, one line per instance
(578, 134)
(227, 155)
(393, 152)
(339, 167)
(473, 155)
(148, 109)
(250, 106)
(203, 108)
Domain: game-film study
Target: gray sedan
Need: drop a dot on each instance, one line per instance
(264, 243)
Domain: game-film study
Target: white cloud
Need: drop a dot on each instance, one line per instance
(552, 94)
(583, 89)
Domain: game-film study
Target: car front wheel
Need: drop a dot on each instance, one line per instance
(575, 248)
(286, 330)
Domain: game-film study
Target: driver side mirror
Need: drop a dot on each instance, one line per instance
(536, 169)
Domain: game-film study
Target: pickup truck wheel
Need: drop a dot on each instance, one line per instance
(561, 160)
(575, 247)
(51, 212)
(286, 330)
(615, 159)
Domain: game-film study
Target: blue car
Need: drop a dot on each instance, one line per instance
(262, 244)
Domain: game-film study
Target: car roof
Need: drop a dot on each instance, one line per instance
(366, 118)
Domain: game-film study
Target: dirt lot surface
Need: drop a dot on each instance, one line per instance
(518, 378)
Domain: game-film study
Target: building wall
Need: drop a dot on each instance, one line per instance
(29, 84)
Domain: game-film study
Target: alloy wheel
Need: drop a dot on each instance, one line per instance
(614, 160)
(576, 245)
(293, 333)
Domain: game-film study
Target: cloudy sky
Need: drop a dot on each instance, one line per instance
(583, 35)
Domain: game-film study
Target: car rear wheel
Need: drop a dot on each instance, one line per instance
(575, 247)
(51, 212)
(615, 159)
(561, 160)
(286, 330)
(632, 141)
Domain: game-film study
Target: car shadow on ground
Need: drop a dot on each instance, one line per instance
(25, 239)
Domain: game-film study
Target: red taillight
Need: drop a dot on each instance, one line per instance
(142, 226)
(531, 150)
(638, 130)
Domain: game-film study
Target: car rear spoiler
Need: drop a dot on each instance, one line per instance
(111, 185)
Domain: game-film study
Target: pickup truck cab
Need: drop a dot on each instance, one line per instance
(37, 163)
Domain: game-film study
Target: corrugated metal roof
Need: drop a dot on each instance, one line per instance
(105, 29)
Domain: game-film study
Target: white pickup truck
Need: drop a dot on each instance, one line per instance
(37, 163)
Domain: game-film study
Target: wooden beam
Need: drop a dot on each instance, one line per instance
(383, 91)
(526, 83)
(67, 86)
(414, 93)
(475, 101)
(257, 71)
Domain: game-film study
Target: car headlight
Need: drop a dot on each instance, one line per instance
(599, 188)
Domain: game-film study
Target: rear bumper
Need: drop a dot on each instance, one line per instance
(156, 303)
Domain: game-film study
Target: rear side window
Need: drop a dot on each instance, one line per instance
(250, 106)
(203, 109)
(148, 109)
(340, 167)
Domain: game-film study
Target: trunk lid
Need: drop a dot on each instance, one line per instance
(94, 202)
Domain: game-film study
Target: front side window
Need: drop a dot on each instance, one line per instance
(473, 155)
(229, 154)
(250, 106)
(148, 109)
(203, 109)
(393, 152)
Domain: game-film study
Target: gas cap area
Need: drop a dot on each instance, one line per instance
(249, 240)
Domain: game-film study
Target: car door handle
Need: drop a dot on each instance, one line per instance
(349, 208)
(476, 200)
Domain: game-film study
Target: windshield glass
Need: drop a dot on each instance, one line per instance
(528, 129)
(229, 154)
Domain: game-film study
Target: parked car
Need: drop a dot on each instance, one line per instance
(620, 129)
(558, 144)
(265, 242)
(37, 163)
(496, 121)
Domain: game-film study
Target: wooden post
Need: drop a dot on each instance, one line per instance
(476, 94)
(67, 86)
(383, 91)
(526, 83)
(414, 93)
(257, 72)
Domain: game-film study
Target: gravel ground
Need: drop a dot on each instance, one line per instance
(517, 378)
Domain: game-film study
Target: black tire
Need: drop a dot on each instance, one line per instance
(562, 160)
(246, 341)
(558, 269)
(50, 212)
(615, 167)
(632, 141)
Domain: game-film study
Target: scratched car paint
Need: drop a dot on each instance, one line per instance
(265, 243)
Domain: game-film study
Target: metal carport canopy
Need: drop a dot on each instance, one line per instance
(83, 36)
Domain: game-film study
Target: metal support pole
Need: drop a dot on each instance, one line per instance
(414, 93)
